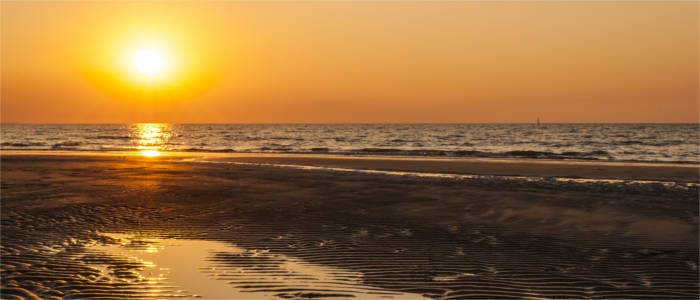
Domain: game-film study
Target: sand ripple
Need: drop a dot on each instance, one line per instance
(247, 232)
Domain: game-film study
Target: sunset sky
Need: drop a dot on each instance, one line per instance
(349, 62)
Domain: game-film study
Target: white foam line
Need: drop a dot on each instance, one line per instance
(668, 184)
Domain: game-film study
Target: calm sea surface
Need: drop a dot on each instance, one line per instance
(678, 143)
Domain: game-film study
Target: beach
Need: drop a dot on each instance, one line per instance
(285, 226)
(349, 150)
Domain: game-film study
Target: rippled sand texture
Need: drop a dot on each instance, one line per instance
(111, 227)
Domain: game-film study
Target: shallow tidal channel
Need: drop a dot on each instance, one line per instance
(194, 268)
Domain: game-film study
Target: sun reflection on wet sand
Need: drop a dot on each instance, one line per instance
(212, 269)
(151, 138)
(150, 153)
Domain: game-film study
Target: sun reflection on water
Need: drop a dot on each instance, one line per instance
(194, 268)
(151, 138)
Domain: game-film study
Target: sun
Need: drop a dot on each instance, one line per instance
(150, 68)
(148, 61)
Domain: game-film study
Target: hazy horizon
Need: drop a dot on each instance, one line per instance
(359, 123)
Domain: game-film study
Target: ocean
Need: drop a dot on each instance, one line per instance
(672, 143)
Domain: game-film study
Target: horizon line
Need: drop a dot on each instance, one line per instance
(340, 123)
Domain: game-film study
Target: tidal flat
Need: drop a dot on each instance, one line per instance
(131, 227)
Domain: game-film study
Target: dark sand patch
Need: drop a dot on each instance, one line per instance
(436, 238)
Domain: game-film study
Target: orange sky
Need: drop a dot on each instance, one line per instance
(353, 62)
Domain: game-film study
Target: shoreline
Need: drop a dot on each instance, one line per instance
(681, 173)
(360, 154)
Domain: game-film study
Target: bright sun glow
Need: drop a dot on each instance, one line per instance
(148, 61)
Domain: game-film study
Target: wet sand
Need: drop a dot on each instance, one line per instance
(503, 167)
(103, 226)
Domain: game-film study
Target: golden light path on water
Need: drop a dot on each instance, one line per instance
(151, 138)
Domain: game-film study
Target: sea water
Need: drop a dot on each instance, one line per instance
(678, 143)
